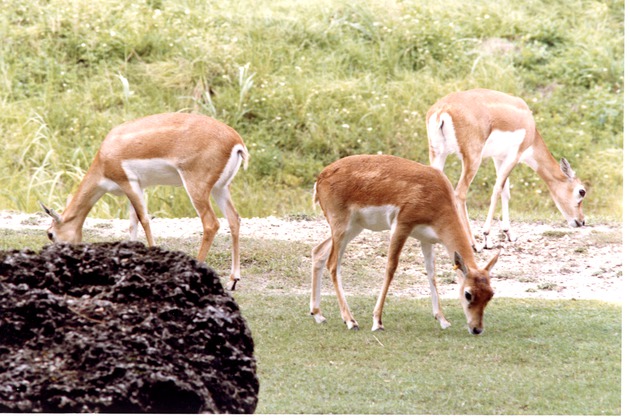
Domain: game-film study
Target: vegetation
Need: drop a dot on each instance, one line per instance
(536, 357)
(305, 83)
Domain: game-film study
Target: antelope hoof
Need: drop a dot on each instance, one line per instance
(487, 242)
(444, 323)
(510, 238)
(234, 281)
(378, 326)
(319, 318)
(352, 325)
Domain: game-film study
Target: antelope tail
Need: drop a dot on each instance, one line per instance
(315, 197)
(245, 156)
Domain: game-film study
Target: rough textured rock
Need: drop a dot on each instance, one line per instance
(119, 327)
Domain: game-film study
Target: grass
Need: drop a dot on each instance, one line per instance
(31, 239)
(305, 83)
(536, 357)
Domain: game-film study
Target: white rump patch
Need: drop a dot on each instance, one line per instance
(442, 137)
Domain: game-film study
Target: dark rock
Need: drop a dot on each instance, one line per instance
(120, 328)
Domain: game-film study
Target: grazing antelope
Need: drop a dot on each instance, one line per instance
(481, 123)
(195, 151)
(387, 192)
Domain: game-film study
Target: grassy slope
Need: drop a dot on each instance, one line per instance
(305, 83)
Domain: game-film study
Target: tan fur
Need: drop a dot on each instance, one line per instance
(476, 114)
(198, 146)
(424, 198)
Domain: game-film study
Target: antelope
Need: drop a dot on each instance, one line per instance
(195, 151)
(481, 123)
(379, 192)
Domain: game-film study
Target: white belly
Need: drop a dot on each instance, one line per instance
(376, 218)
(502, 144)
(110, 186)
(149, 172)
(442, 136)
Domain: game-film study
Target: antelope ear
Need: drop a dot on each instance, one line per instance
(492, 262)
(459, 264)
(566, 168)
(56, 217)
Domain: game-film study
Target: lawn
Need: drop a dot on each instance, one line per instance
(536, 357)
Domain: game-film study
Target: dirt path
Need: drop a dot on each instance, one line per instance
(546, 261)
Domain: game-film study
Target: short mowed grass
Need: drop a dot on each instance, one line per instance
(542, 357)
(536, 357)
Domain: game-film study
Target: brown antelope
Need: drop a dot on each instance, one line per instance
(481, 123)
(195, 151)
(385, 192)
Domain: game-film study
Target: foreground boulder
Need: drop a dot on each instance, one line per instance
(119, 327)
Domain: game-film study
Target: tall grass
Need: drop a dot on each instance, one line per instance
(304, 83)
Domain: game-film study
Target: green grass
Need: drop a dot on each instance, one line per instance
(31, 239)
(538, 357)
(305, 83)
(535, 357)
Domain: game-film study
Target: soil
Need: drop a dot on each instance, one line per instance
(120, 328)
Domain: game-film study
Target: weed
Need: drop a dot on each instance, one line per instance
(602, 238)
(547, 286)
(557, 233)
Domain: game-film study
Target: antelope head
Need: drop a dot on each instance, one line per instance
(570, 195)
(59, 231)
(475, 292)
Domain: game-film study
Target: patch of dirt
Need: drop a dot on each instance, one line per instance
(546, 261)
(549, 261)
(119, 327)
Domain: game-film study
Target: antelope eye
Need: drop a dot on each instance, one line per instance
(468, 296)
(51, 236)
(579, 193)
